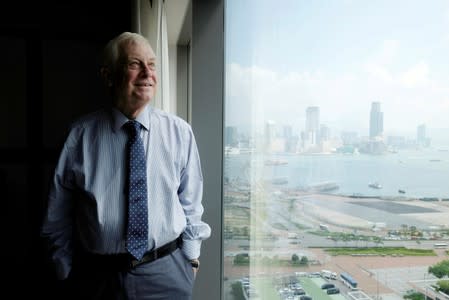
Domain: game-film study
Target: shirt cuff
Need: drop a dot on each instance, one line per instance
(191, 248)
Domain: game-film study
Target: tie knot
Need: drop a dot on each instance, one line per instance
(132, 127)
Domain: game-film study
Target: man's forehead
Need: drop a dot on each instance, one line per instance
(138, 49)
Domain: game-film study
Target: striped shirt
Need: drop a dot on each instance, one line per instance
(89, 183)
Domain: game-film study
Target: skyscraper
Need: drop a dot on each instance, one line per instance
(270, 134)
(231, 138)
(376, 121)
(421, 133)
(421, 136)
(312, 118)
(312, 124)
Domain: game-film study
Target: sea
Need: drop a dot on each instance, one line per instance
(413, 173)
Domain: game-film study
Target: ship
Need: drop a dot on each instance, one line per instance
(401, 191)
(375, 185)
(279, 180)
(275, 162)
(231, 150)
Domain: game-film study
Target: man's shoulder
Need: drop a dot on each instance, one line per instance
(91, 119)
(89, 126)
(169, 118)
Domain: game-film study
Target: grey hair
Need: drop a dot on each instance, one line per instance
(111, 52)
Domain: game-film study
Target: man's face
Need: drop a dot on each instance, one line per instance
(137, 85)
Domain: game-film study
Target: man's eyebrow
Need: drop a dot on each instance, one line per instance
(140, 59)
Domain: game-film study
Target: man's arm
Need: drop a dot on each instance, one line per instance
(190, 195)
(58, 222)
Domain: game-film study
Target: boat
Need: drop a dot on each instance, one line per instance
(231, 150)
(401, 191)
(275, 162)
(375, 185)
(279, 180)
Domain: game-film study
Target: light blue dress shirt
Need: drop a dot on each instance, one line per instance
(89, 184)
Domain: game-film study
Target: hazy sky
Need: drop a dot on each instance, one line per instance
(340, 55)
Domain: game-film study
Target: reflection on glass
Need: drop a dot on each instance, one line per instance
(336, 149)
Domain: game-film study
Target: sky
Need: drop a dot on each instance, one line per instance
(340, 55)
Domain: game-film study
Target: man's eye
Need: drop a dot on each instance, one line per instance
(134, 65)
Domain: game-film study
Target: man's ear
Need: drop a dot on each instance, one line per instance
(105, 73)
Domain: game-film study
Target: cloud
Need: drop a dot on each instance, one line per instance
(416, 75)
(378, 72)
(255, 95)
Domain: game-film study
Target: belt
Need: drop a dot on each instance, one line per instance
(125, 261)
(157, 253)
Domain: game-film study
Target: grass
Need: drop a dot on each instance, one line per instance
(392, 251)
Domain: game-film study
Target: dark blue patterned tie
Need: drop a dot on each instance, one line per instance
(137, 228)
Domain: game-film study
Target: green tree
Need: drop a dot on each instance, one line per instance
(237, 291)
(414, 296)
(304, 260)
(377, 240)
(404, 229)
(241, 259)
(245, 231)
(443, 286)
(440, 269)
(295, 258)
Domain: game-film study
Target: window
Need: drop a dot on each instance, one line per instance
(336, 142)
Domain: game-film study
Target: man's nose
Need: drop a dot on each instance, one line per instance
(146, 70)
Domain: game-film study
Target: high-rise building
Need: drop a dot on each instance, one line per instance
(312, 118)
(270, 134)
(376, 121)
(325, 133)
(312, 124)
(288, 131)
(421, 133)
(231, 138)
(421, 136)
(349, 137)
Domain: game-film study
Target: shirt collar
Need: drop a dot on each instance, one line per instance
(120, 119)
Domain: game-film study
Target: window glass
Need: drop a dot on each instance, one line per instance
(336, 159)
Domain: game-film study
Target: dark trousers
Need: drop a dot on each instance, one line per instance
(169, 277)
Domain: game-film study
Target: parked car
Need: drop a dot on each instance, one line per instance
(305, 298)
(326, 286)
(299, 292)
(315, 275)
(334, 290)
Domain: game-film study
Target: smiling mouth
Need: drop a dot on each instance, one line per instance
(144, 84)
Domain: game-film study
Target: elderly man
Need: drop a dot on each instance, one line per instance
(124, 209)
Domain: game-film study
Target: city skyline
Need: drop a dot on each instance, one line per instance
(313, 127)
(371, 52)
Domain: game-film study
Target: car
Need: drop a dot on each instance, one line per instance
(315, 275)
(331, 291)
(299, 292)
(326, 286)
(305, 298)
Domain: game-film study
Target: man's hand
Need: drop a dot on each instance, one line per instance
(195, 266)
